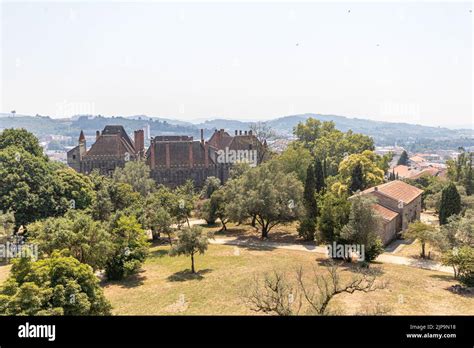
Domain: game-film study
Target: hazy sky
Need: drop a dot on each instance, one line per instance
(408, 61)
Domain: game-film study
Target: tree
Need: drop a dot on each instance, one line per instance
(363, 226)
(102, 206)
(450, 203)
(210, 185)
(276, 295)
(294, 159)
(130, 248)
(458, 231)
(307, 227)
(323, 289)
(191, 241)
(28, 187)
(184, 204)
(207, 211)
(333, 215)
(357, 179)
(137, 175)
(359, 171)
(21, 139)
(163, 221)
(7, 224)
(468, 176)
(273, 294)
(424, 233)
(268, 195)
(217, 203)
(319, 176)
(156, 212)
(57, 285)
(460, 170)
(77, 188)
(77, 233)
(122, 195)
(403, 160)
(263, 132)
(326, 142)
(462, 261)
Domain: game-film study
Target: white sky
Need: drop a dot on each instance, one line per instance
(408, 61)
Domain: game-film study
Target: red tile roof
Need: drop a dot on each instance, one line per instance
(426, 172)
(385, 213)
(403, 171)
(397, 190)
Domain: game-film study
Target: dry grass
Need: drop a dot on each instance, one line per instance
(284, 233)
(412, 249)
(165, 286)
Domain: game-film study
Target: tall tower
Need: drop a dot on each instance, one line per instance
(82, 145)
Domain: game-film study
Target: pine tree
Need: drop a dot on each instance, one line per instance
(403, 160)
(309, 193)
(450, 203)
(357, 179)
(319, 176)
(468, 182)
(307, 227)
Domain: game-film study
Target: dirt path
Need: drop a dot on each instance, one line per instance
(384, 258)
(387, 257)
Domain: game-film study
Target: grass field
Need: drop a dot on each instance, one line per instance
(165, 286)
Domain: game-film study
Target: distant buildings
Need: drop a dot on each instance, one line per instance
(172, 159)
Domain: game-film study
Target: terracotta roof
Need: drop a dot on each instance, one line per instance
(417, 159)
(403, 171)
(426, 172)
(397, 190)
(385, 213)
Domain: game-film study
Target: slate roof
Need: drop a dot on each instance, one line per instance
(114, 142)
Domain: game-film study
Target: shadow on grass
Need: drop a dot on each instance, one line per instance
(457, 288)
(159, 253)
(373, 268)
(185, 275)
(130, 282)
(444, 277)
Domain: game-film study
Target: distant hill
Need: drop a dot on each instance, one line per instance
(412, 136)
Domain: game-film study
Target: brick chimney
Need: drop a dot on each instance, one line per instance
(97, 135)
(236, 132)
(202, 136)
(152, 153)
(139, 141)
(245, 132)
(240, 132)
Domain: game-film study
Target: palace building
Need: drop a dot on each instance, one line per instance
(172, 159)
